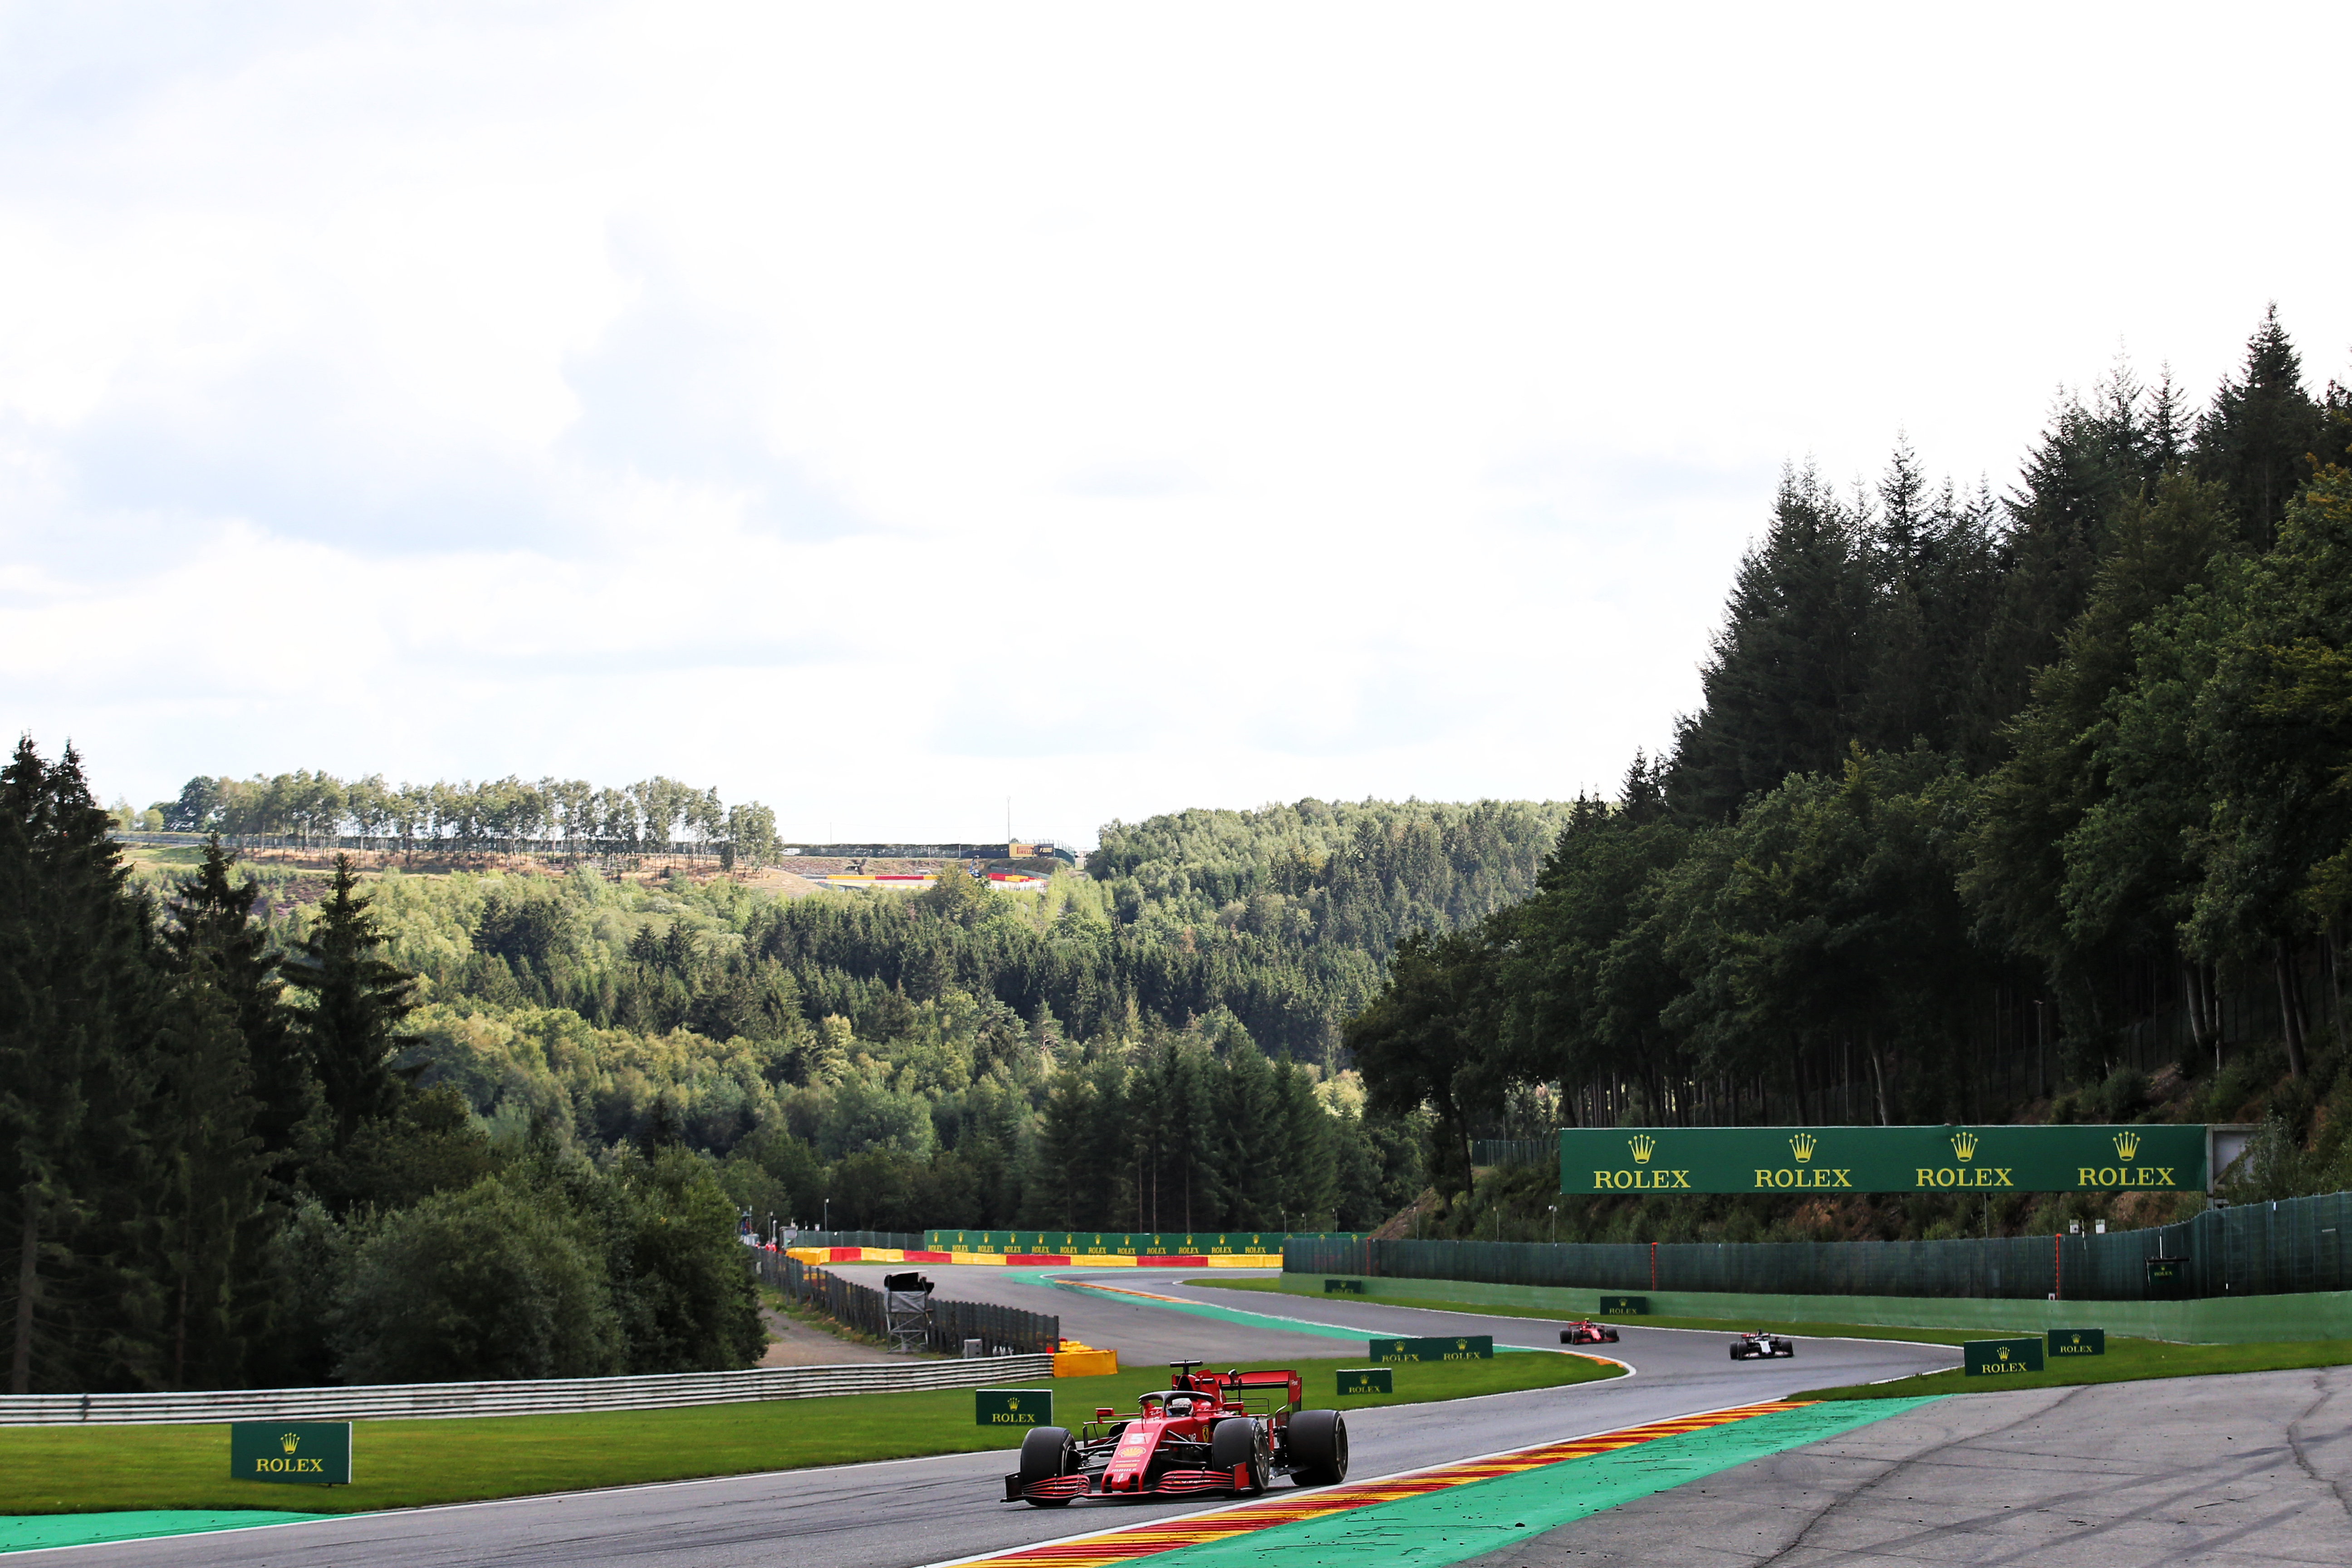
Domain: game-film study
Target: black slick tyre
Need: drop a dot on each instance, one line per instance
(1237, 1441)
(1735, 1352)
(1319, 1448)
(1045, 1454)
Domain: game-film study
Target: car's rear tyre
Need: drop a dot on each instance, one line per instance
(1319, 1448)
(1045, 1452)
(1239, 1441)
(1735, 1352)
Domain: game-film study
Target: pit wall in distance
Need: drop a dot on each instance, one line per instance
(2224, 1320)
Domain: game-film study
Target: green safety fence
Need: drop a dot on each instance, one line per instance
(2292, 1246)
(1118, 1244)
(899, 1240)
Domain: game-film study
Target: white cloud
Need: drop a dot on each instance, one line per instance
(883, 412)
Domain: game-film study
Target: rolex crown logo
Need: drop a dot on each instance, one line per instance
(291, 1441)
(1802, 1146)
(1643, 1146)
(1015, 1405)
(1964, 1144)
(2004, 1352)
(2126, 1144)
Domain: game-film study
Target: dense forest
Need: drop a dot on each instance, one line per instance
(467, 1157)
(223, 1169)
(2038, 808)
(1151, 1046)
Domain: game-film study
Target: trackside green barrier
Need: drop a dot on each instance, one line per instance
(2293, 1247)
(2243, 1320)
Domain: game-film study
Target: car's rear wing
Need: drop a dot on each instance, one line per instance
(1268, 1382)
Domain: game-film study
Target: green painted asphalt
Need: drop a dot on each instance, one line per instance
(1478, 1516)
(33, 1532)
(1223, 1314)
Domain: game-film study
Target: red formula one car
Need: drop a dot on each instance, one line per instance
(1588, 1332)
(1762, 1343)
(1210, 1432)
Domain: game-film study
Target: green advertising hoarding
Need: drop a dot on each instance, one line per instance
(1355, 1381)
(1464, 1347)
(1882, 1159)
(1013, 1407)
(298, 1453)
(2076, 1341)
(1998, 1358)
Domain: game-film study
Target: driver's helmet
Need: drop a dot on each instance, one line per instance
(1180, 1405)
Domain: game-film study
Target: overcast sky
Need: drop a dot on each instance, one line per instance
(881, 411)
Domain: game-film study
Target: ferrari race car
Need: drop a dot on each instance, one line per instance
(1588, 1332)
(1762, 1343)
(1210, 1432)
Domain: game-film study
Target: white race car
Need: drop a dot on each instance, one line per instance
(1762, 1342)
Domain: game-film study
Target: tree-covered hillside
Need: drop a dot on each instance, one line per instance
(1993, 808)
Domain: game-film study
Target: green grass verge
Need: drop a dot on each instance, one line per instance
(2127, 1360)
(404, 1464)
(1553, 1314)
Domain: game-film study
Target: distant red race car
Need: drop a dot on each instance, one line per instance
(1211, 1431)
(1588, 1332)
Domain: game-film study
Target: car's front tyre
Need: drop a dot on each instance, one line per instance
(1047, 1453)
(1238, 1441)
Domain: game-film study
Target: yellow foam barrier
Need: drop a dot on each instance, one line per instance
(1076, 1359)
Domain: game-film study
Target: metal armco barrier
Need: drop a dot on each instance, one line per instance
(2287, 1247)
(547, 1396)
(1002, 1331)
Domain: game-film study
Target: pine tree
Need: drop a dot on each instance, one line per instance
(1786, 672)
(359, 1000)
(212, 926)
(81, 998)
(2083, 466)
(209, 1230)
(2257, 438)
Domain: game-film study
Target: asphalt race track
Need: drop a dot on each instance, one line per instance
(911, 1511)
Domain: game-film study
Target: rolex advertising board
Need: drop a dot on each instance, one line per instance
(1013, 1407)
(2000, 1358)
(1465, 1347)
(299, 1453)
(1882, 1159)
